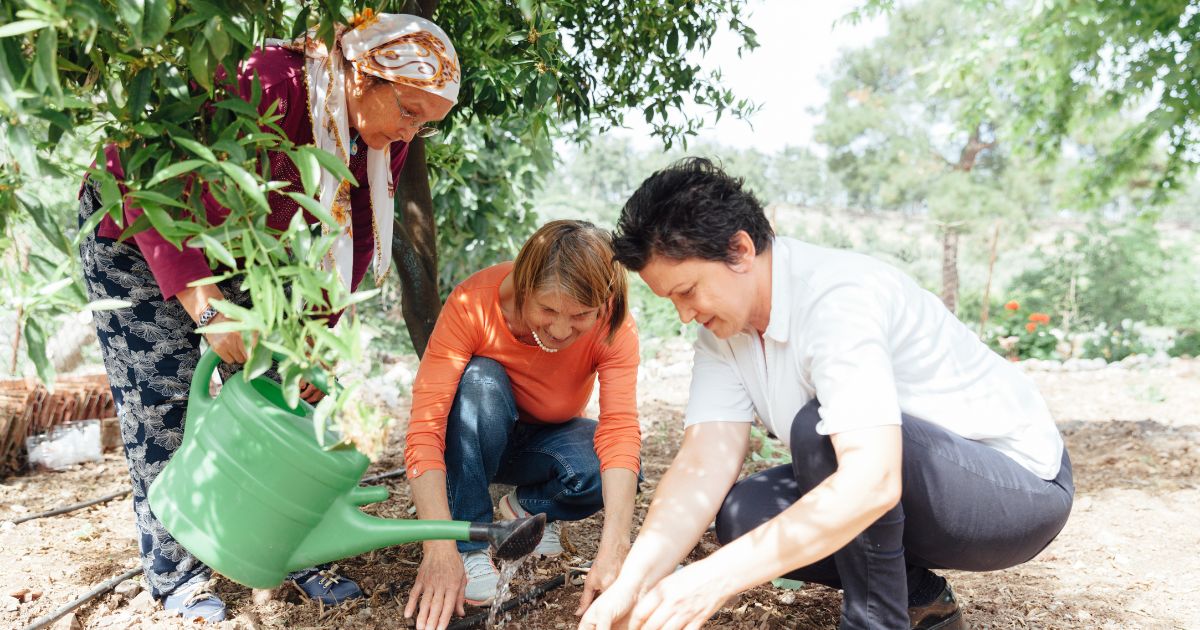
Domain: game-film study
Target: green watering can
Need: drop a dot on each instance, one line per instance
(252, 494)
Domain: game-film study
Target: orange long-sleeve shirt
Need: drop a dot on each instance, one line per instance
(550, 388)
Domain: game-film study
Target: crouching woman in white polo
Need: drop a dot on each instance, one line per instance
(914, 447)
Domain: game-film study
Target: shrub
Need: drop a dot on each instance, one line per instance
(1018, 334)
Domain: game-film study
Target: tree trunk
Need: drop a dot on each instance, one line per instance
(950, 267)
(414, 240)
(966, 161)
(414, 248)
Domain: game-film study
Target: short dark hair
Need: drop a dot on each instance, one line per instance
(691, 209)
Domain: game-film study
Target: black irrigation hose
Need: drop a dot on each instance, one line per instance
(399, 472)
(537, 591)
(42, 622)
(72, 507)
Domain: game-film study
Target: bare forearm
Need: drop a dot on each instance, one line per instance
(430, 497)
(620, 487)
(686, 501)
(196, 299)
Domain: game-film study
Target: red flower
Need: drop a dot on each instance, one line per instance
(1040, 318)
(1031, 326)
(1012, 305)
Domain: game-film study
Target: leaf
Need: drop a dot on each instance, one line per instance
(314, 208)
(547, 85)
(310, 169)
(45, 222)
(47, 61)
(198, 149)
(21, 27)
(333, 165)
(174, 170)
(159, 218)
(55, 287)
(227, 327)
(198, 62)
(35, 338)
(202, 282)
(157, 21)
(260, 362)
(247, 183)
(155, 197)
(236, 104)
(132, 13)
(218, 38)
(139, 93)
(21, 146)
(141, 224)
(106, 305)
(218, 250)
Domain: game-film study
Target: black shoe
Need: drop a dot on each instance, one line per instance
(940, 614)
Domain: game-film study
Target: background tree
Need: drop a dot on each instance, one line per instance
(904, 136)
(535, 71)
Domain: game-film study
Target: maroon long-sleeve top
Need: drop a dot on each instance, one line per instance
(281, 73)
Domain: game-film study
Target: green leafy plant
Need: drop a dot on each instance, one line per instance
(1186, 344)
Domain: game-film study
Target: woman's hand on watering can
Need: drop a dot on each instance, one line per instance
(228, 345)
(440, 588)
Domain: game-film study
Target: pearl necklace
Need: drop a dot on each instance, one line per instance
(540, 344)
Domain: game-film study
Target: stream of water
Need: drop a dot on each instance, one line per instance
(508, 570)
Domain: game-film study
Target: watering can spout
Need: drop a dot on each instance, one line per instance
(346, 531)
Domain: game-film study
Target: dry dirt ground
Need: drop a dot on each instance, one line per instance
(1127, 558)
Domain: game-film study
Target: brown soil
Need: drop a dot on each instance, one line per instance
(1127, 558)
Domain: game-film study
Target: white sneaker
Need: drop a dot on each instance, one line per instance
(482, 577)
(551, 543)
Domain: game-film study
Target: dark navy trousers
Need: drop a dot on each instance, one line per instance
(964, 506)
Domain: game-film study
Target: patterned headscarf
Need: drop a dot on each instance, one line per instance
(404, 49)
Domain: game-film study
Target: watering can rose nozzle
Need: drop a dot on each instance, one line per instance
(511, 539)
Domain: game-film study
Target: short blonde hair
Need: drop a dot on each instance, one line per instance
(575, 257)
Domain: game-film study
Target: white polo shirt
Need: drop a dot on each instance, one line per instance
(862, 337)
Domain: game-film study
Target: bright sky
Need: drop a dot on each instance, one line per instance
(798, 44)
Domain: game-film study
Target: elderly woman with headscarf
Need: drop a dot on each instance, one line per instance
(364, 101)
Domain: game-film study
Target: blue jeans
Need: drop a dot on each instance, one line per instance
(554, 467)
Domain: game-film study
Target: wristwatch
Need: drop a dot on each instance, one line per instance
(207, 316)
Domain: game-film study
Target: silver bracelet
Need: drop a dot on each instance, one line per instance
(207, 316)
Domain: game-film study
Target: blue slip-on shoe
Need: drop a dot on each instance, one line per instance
(327, 586)
(196, 601)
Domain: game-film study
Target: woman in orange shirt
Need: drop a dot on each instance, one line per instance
(509, 369)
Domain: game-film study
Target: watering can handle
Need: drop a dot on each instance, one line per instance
(200, 380)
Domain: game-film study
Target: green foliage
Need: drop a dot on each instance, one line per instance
(1087, 65)
(1117, 343)
(77, 75)
(1187, 344)
(1109, 273)
(537, 72)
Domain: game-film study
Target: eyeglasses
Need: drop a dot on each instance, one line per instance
(423, 131)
